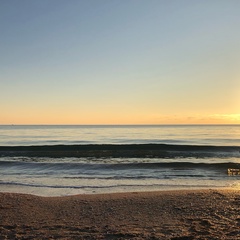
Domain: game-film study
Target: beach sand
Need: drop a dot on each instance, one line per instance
(194, 214)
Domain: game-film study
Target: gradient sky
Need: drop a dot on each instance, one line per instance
(119, 61)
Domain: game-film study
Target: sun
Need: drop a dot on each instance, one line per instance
(229, 118)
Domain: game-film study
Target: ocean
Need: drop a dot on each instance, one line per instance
(49, 160)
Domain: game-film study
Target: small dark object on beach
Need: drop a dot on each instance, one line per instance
(233, 171)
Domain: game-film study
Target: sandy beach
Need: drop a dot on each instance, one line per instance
(195, 214)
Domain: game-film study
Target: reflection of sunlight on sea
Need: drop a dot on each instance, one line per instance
(222, 135)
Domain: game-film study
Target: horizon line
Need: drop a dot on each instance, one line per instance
(131, 124)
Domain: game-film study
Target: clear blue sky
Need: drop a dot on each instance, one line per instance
(119, 61)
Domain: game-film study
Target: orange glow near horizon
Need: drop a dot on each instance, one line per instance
(110, 119)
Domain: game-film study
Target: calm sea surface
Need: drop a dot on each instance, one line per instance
(221, 135)
(71, 175)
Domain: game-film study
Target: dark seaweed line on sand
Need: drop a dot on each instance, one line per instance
(114, 150)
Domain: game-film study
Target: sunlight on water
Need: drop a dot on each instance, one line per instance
(169, 134)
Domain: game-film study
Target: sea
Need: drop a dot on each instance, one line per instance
(205, 166)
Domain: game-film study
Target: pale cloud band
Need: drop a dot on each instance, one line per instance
(200, 119)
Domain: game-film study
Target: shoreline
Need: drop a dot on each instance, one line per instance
(53, 192)
(170, 214)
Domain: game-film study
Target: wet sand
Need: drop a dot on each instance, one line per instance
(195, 214)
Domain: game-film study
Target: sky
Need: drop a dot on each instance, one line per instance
(120, 62)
